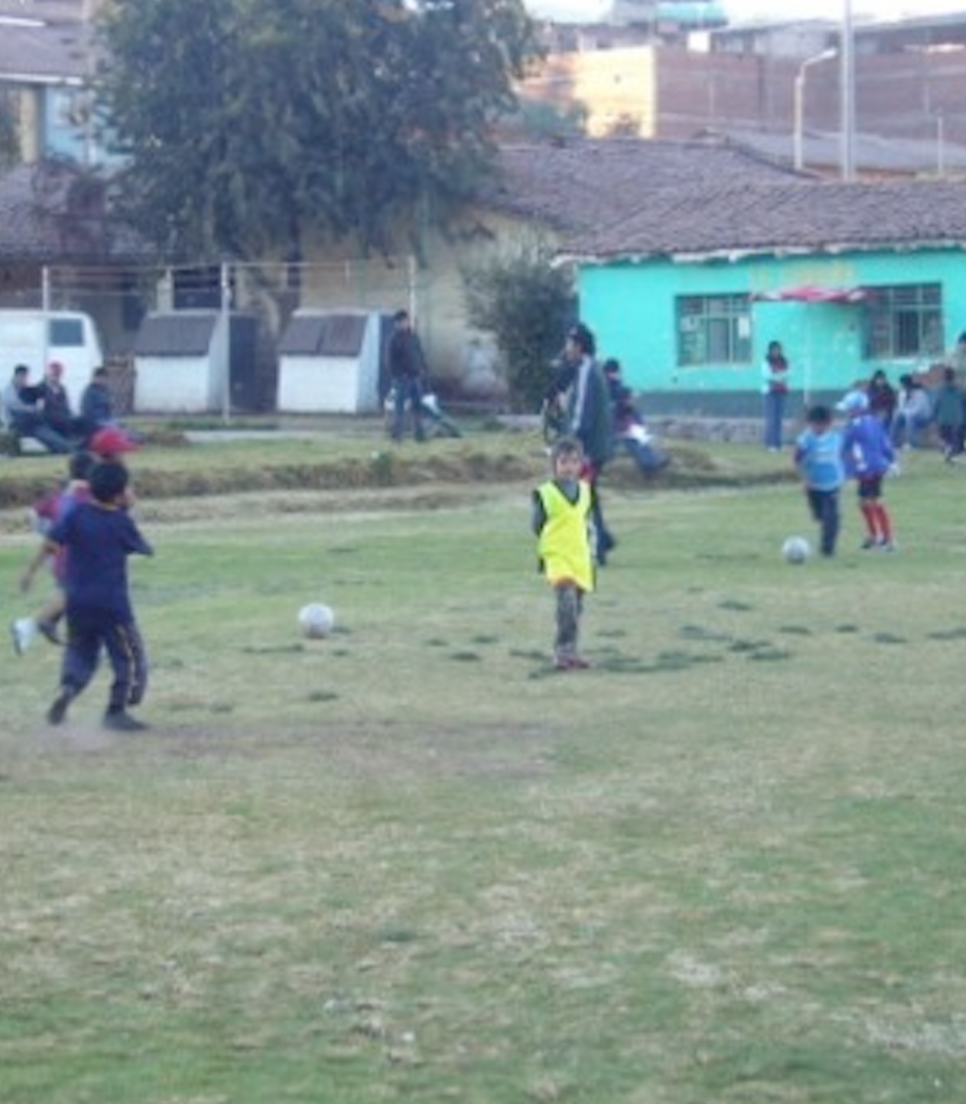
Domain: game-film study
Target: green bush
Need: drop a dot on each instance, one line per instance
(524, 302)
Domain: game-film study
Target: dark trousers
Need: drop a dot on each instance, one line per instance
(406, 391)
(603, 538)
(773, 411)
(87, 632)
(32, 425)
(825, 509)
(569, 606)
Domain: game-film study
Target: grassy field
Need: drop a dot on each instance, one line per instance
(412, 863)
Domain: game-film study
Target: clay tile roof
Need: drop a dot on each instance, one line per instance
(771, 219)
(575, 184)
(49, 212)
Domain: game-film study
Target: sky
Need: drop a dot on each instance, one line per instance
(775, 9)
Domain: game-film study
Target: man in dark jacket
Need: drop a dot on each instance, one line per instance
(97, 403)
(407, 366)
(591, 422)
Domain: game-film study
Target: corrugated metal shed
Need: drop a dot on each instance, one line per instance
(336, 335)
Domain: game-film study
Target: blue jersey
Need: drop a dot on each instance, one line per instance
(866, 448)
(99, 540)
(819, 459)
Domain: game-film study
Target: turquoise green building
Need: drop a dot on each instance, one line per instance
(850, 278)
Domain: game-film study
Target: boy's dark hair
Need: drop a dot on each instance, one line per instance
(581, 336)
(81, 465)
(565, 446)
(818, 415)
(400, 316)
(108, 480)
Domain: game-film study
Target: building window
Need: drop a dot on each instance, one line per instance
(904, 321)
(713, 329)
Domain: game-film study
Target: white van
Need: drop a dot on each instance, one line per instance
(36, 337)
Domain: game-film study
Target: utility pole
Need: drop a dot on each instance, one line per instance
(847, 92)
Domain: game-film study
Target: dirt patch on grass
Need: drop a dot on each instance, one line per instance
(383, 479)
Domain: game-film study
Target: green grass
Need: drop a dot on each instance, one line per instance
(411, 863)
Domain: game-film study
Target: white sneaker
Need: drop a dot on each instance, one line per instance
(23, 632)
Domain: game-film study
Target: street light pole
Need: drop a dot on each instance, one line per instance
(847, 81)
(799, 106)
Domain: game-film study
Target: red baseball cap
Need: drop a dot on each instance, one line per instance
(111, 441)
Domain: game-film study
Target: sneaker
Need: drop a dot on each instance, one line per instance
(22, 634)
(58, 710)
(869, 542)
(123, 722)
(48, 630)
(886, 546)
(571, 663)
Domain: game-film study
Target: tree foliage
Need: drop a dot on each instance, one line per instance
(524, 302)
(9, 143)
(246, 122)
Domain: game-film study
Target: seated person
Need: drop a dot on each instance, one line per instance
(97, 404)
(913, 413)
(23, 414)
(629, 428)
(57, 411)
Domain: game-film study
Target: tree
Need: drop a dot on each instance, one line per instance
(9, 143)
(524, 302)
(246, 123)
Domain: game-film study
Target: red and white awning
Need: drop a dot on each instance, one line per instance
(812, 293)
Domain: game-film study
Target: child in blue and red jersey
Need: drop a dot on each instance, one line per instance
(99, 536)
(869, 456)
(818, 457)
(47, 512)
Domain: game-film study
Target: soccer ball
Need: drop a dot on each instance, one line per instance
(796, 550)
(316, 620)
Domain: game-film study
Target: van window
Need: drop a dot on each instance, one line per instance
(66, 333)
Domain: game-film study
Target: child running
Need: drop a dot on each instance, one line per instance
(48, 511)
(99, 536)
(561, 519)
(868, 455)
(818, 457)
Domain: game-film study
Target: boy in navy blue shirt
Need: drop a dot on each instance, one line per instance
(818, 457)
(99, 536)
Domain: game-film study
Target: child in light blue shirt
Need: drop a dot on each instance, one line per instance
(818, 457)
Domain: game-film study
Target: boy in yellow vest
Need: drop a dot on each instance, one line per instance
(561, 512)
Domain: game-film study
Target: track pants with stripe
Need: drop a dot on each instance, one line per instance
(87, 632)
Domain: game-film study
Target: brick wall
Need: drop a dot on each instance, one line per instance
(659, 92)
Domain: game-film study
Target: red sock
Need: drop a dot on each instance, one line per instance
(884, 523)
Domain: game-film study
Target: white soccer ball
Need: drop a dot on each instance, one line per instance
(796, 550)
(316, 620)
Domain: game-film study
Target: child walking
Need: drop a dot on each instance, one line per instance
(818, 457)
(950, 407)
(868, 454)
(561, 520)
(99, 536)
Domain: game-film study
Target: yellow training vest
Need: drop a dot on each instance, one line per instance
(564, 544)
